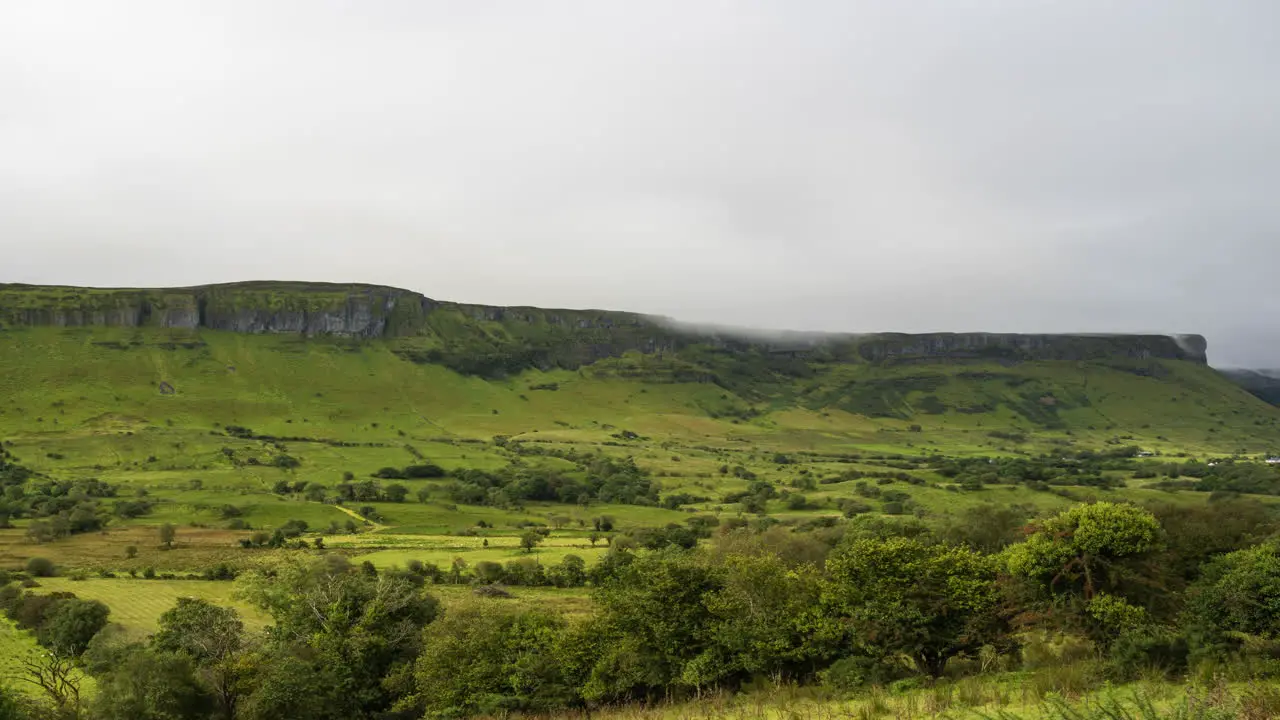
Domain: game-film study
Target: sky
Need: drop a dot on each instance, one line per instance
(934, 165)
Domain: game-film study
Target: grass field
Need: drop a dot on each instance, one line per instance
(137, 604)
(1013, 697)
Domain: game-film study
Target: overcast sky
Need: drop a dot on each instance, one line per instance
(855, 166)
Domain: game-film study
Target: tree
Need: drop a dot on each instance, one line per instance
(424, 470)
(1074, 551)
(571, 572)
(1240, 593)
(131, 552)
(58, 677)
(348, 629)
(41, 567)
(149, 685)
(456, 570)
(395, 492)
(529, 540)
(71, 624)
(168, 533)
(764, 622)
(929, 602)
(986, 528)
(652, 622)
(212, 638)
(423, 494)
(484, 658)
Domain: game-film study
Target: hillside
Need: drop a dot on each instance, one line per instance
(212, 397)
(155, 441)
(1265, 384)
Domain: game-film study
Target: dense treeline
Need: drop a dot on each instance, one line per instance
(60, 508)
(861, 602)
(597, 479)
(1224, 476)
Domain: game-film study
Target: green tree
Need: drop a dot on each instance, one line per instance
(1239, 593)
(529, 540)
(212, 637)
(168, 533)
(353, 631)
(764, 622)
(987, 528)
(41, 567)
(571, 572)
(902, 596)
(395, 492)
(149, 685)
(485, 658)
(652, 623)
(1077, 551)
(71, 624)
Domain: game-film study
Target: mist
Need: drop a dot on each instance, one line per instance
(826, 166)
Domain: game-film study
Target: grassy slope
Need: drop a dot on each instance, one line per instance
(86, 403)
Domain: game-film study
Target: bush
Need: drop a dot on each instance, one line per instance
(286, 462)
(221, 571)
(861, 671)
(424, 470)
(41, 567)
(1143, 649)
(481, 658)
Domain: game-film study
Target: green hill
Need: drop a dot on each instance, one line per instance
(1265, 384)
(220, 405)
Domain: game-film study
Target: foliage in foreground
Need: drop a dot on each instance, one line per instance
(891, 604)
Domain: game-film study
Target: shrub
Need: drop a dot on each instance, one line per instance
(861, 671)
(41, 567)
(483, 658)
(1141, 649)
(424, 470)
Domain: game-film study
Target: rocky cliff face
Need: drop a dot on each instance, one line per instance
(878, 348)
(463, 335)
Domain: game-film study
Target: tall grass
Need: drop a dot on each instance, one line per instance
(976, 698)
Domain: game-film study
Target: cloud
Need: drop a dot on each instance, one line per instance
(847, 166)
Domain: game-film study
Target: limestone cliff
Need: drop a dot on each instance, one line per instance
(487, 340)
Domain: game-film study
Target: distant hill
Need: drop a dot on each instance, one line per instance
(262, 352)
(1265, 384)
(493, 341)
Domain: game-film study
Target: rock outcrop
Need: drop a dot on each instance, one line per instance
(529, 337)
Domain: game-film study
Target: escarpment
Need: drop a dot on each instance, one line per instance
(484, 339)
